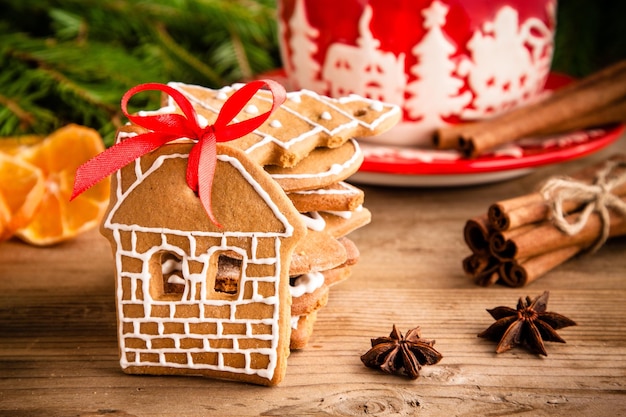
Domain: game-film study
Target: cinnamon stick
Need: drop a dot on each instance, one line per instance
(481, 264)
(448, 137)
(515, 212)
(477, 233)
(519, 273)
(607, 115)
(546, 237)
(577, 100)
(476, 265)
(501, 244)
(488, 275)
(532, 208)
(524, 241)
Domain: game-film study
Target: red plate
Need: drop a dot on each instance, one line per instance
(406, 166)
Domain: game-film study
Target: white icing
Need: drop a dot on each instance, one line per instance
(276, 123)
(221, 95)
(377, 106)
(326, 116)
(202, 121)
(294, 322)
(170, 266)
(252, 109)
(306, 284)
(343, 214)
(121, 135)
(346, 189)
(296, 98)
(313, 221)
(334, 169)
(167, 109)
(196, 292)
(286, 145)
(176, 279)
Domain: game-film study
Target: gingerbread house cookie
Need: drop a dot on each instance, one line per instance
(173, 318)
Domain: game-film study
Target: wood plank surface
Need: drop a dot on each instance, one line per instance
(58, 348)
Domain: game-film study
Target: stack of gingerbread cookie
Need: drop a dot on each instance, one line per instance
(307, 146)
(331, 209)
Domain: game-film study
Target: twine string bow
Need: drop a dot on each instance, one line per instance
(595, 197)
(164, 128)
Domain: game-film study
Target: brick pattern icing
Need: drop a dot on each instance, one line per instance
(196, 331)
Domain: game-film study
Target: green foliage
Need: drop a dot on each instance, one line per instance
(67, 61)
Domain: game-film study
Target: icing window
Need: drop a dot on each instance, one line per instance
(172, 270)
(228, 274)
(168, 281)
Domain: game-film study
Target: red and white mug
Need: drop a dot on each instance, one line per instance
(442, 61)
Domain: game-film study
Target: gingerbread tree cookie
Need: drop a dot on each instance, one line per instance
(305, 121)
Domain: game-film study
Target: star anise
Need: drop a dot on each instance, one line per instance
(401, 355)
(530, 325)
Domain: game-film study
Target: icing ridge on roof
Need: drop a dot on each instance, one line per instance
(142, 173)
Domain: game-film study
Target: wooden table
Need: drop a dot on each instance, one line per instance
(58, 349)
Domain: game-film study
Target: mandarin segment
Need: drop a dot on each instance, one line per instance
(14, 145)
(5, 216)
(58, 156)
(21, 191)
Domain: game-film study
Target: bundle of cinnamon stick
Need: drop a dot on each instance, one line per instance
(597, 100)
(520, 239)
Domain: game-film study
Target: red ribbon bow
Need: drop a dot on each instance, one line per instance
(167, 127)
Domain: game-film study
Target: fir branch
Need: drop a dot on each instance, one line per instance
(64, 85)
(26, 119)
(240, 55)
(71, 60)
(185, 56)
